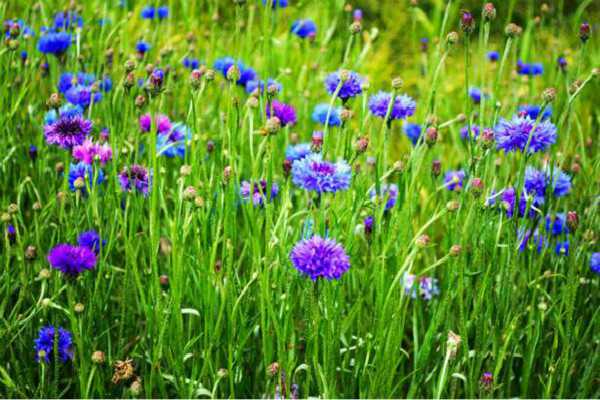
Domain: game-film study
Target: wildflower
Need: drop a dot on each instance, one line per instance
(533, 111)
(297, 152)
(162, 123)
(584, 31)
(88, 152)
(595, 263)
(473, 134)
(524, 236)
(67, 20)
(284, 112)
(489, 11)
(142, 47)
(357, 15)
(487, 380)
(467, 22)
(92, 240)
(55, 43)
(320, 112)
(135, 179)
(257, 191)
(260, 85)
(389, 193)
(476, 94)
(493, 56)
(515, 134)
(531, 69)
(191, 63)
(404, 106)
(124, 370)
(562, 63)
(246, 73)
(174, 142)
(304, 28)
(436, 167)
(412, 131)
(562, 248)
(368, 224)
(349, 82)
(314, 174)
(82, 173)
(572, 220)
(561, 182)
(67, 131)
(316, 141)
(424, 287)
(320, 258)
(276, 3)
(162, 12)
(453, 180)
(557, 225)
(71, 260)
(46, 340)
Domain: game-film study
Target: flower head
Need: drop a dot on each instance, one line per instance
(493, 56)
(389, 194)
(533, 110)
(71, 260)
(163, 124)
(304, 28)
(54, 43)
(88, 152)
(453, 180)
(514, 134)
(142, 47)
(320, 112)
(174, 142)
(276, 3)
(413, 132)
(351, 84)
(314, 174)
(531, 69)
(44, 344)
(81, 175)
(135, 179)
(67, 131)
(258, 191)
(473, 134)
(424, 287)
(284, 112)
(595, 263)
(404, 106)
(246, 73)
(260, 85)
(92, 240)
(562, 248)
(557, 225)
(298, 151)
(320, 258)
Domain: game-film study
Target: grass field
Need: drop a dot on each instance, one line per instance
(232, 199)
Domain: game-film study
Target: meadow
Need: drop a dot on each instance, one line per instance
(299, 199)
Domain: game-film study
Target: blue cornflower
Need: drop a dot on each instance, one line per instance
(351, 86)
(174, 142)
(320, 258)
(67, 110)
(493, 56)
(246, 73)
(561, 182)
(531, 69)
(67, 20)
(533, 111)
(558, 225)
(413, 132)
(453, 180)
(162, 12)
(54, 43)
(44, 344)
(314, 174)
(404, 106)
(562, 248)
(389, 194)
(148, 12)
(276, 3)
(319, 115)
(92, 240)
(304, 28)
(142, 47)
(297, 152)
(81, 174)
(191, 63)
(595, 263)
(513, 135)
(257, 84)
(535, 184)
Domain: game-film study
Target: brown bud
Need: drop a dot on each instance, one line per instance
(455, 250)
(98, 357)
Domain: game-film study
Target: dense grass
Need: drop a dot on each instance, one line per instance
(234, 304)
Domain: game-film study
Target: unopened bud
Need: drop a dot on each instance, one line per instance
(489, 11)
(455, 250)
(423, 241)
(54, 101)
(397, 83)
(549, 95)
(98, 357)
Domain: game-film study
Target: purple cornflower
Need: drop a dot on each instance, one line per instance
(319, 115)
(368, 224)
(487, 380)
(357, 15)
(54, 43)
(320, 258)
(163, 124)
(285, 112)
(514, 134)
(88, 152)
(351, 84)
(314, 174)
(533, 111)
(71, 260)
(595, 263)
(493, 56)
(135, 179)
(453, 180)
(298, 151)
(44, 344)
(389, 195)
(404, 106)
(304, 28)
(258, 191)
(81, 175)
(424, 287)
(531, 69)
(92, 240)
(67, 131)
(413, 132)
(464, 132)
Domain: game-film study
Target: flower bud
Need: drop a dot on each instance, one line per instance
(572, 220)
(549, 95)
(130, 65)
(431, 135)
(452, 344)
(189, 193)
(78, 308)
(477, 186)
(452, 205)
(489, 12)
(165, 246)
(140, 100)
(362, 143)
(199, 201)
(54, 101)
(423, 241)
(436, 167)
(227, 173)
(209, 75)
(98, 357)
(397, 83)
(452, 38)
(195, 78)
(233, 73)
(584, 31)
(355, 27)
(30, 253)
(164, 280)
(455, 250)
(513, 30)
(44, 273)
(467, 22)
(272, 125)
